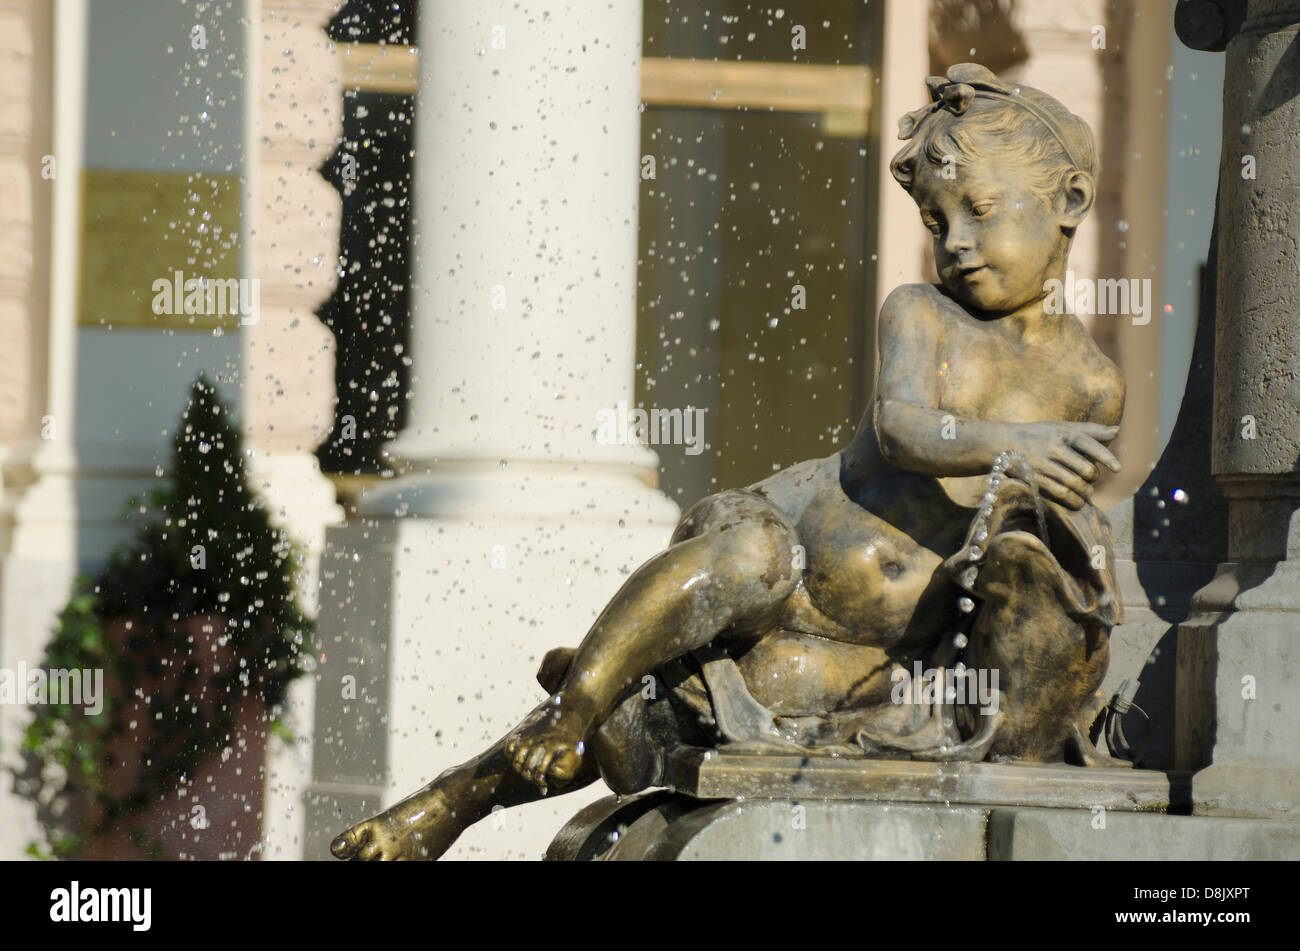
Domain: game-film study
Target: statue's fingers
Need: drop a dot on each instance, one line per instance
(1076, 462)
(1095, 450)
(1097, 431)
(1060, 493)
(1071, 480)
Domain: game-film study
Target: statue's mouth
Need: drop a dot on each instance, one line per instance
(1020, 519)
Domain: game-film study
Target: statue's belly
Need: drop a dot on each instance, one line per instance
(875, 584)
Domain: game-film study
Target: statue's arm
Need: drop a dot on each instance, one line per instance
(913, 431)
(916, 433)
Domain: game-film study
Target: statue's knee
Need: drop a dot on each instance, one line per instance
(752, 539)
(770, 553)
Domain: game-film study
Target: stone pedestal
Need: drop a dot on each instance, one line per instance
(742, 807)
(1237, 653)
(1207, 547)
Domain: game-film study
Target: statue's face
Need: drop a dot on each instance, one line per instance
(996, 242)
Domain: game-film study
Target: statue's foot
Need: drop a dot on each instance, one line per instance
(423, 826)
(546, 749)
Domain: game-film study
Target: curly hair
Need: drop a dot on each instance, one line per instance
(1001, 127)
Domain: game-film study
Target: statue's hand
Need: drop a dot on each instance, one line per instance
(1067, 457)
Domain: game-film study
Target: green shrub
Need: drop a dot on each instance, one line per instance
(204, 546)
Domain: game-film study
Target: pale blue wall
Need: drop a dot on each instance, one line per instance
(147, 89)
(1196, 114)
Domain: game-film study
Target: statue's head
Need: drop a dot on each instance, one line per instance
(1003, 174)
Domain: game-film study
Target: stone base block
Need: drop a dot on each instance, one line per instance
(1077, 834)
(671, 827)
(665, 826)
(729, 806)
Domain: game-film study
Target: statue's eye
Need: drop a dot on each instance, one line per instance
(982, 208)
(932, 224)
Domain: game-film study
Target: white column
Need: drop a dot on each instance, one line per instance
(511, 526)
(899, 88)
(525, 253)
(42, 555)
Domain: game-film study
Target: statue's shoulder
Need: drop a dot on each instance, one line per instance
(913, 296)
(913, 302)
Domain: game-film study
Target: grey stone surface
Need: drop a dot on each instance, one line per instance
(1077, 835)
(677, 828)
(350, 750)
(328, 810)
(836, 829)
(1257, 345)
(1236, 680)
(663, 826)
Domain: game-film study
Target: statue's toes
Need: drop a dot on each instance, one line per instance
(563, 766)
(517, 755)
(537, 759)
(347, 845)
(374, 852)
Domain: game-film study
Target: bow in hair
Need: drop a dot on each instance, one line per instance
(954, 94)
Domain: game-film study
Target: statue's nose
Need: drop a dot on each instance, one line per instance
(958, 241)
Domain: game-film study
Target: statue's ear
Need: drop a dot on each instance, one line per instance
(1075, 198)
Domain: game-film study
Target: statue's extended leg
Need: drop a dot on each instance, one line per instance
(730, 565)
(424, 825)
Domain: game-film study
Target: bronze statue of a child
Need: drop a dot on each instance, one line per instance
(820, 583)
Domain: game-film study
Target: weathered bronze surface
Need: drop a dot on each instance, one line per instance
(957, 528)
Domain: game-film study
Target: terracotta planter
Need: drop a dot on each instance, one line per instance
(214, 812)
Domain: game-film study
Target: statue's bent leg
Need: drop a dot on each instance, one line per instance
(628, 757)
(730, 565)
